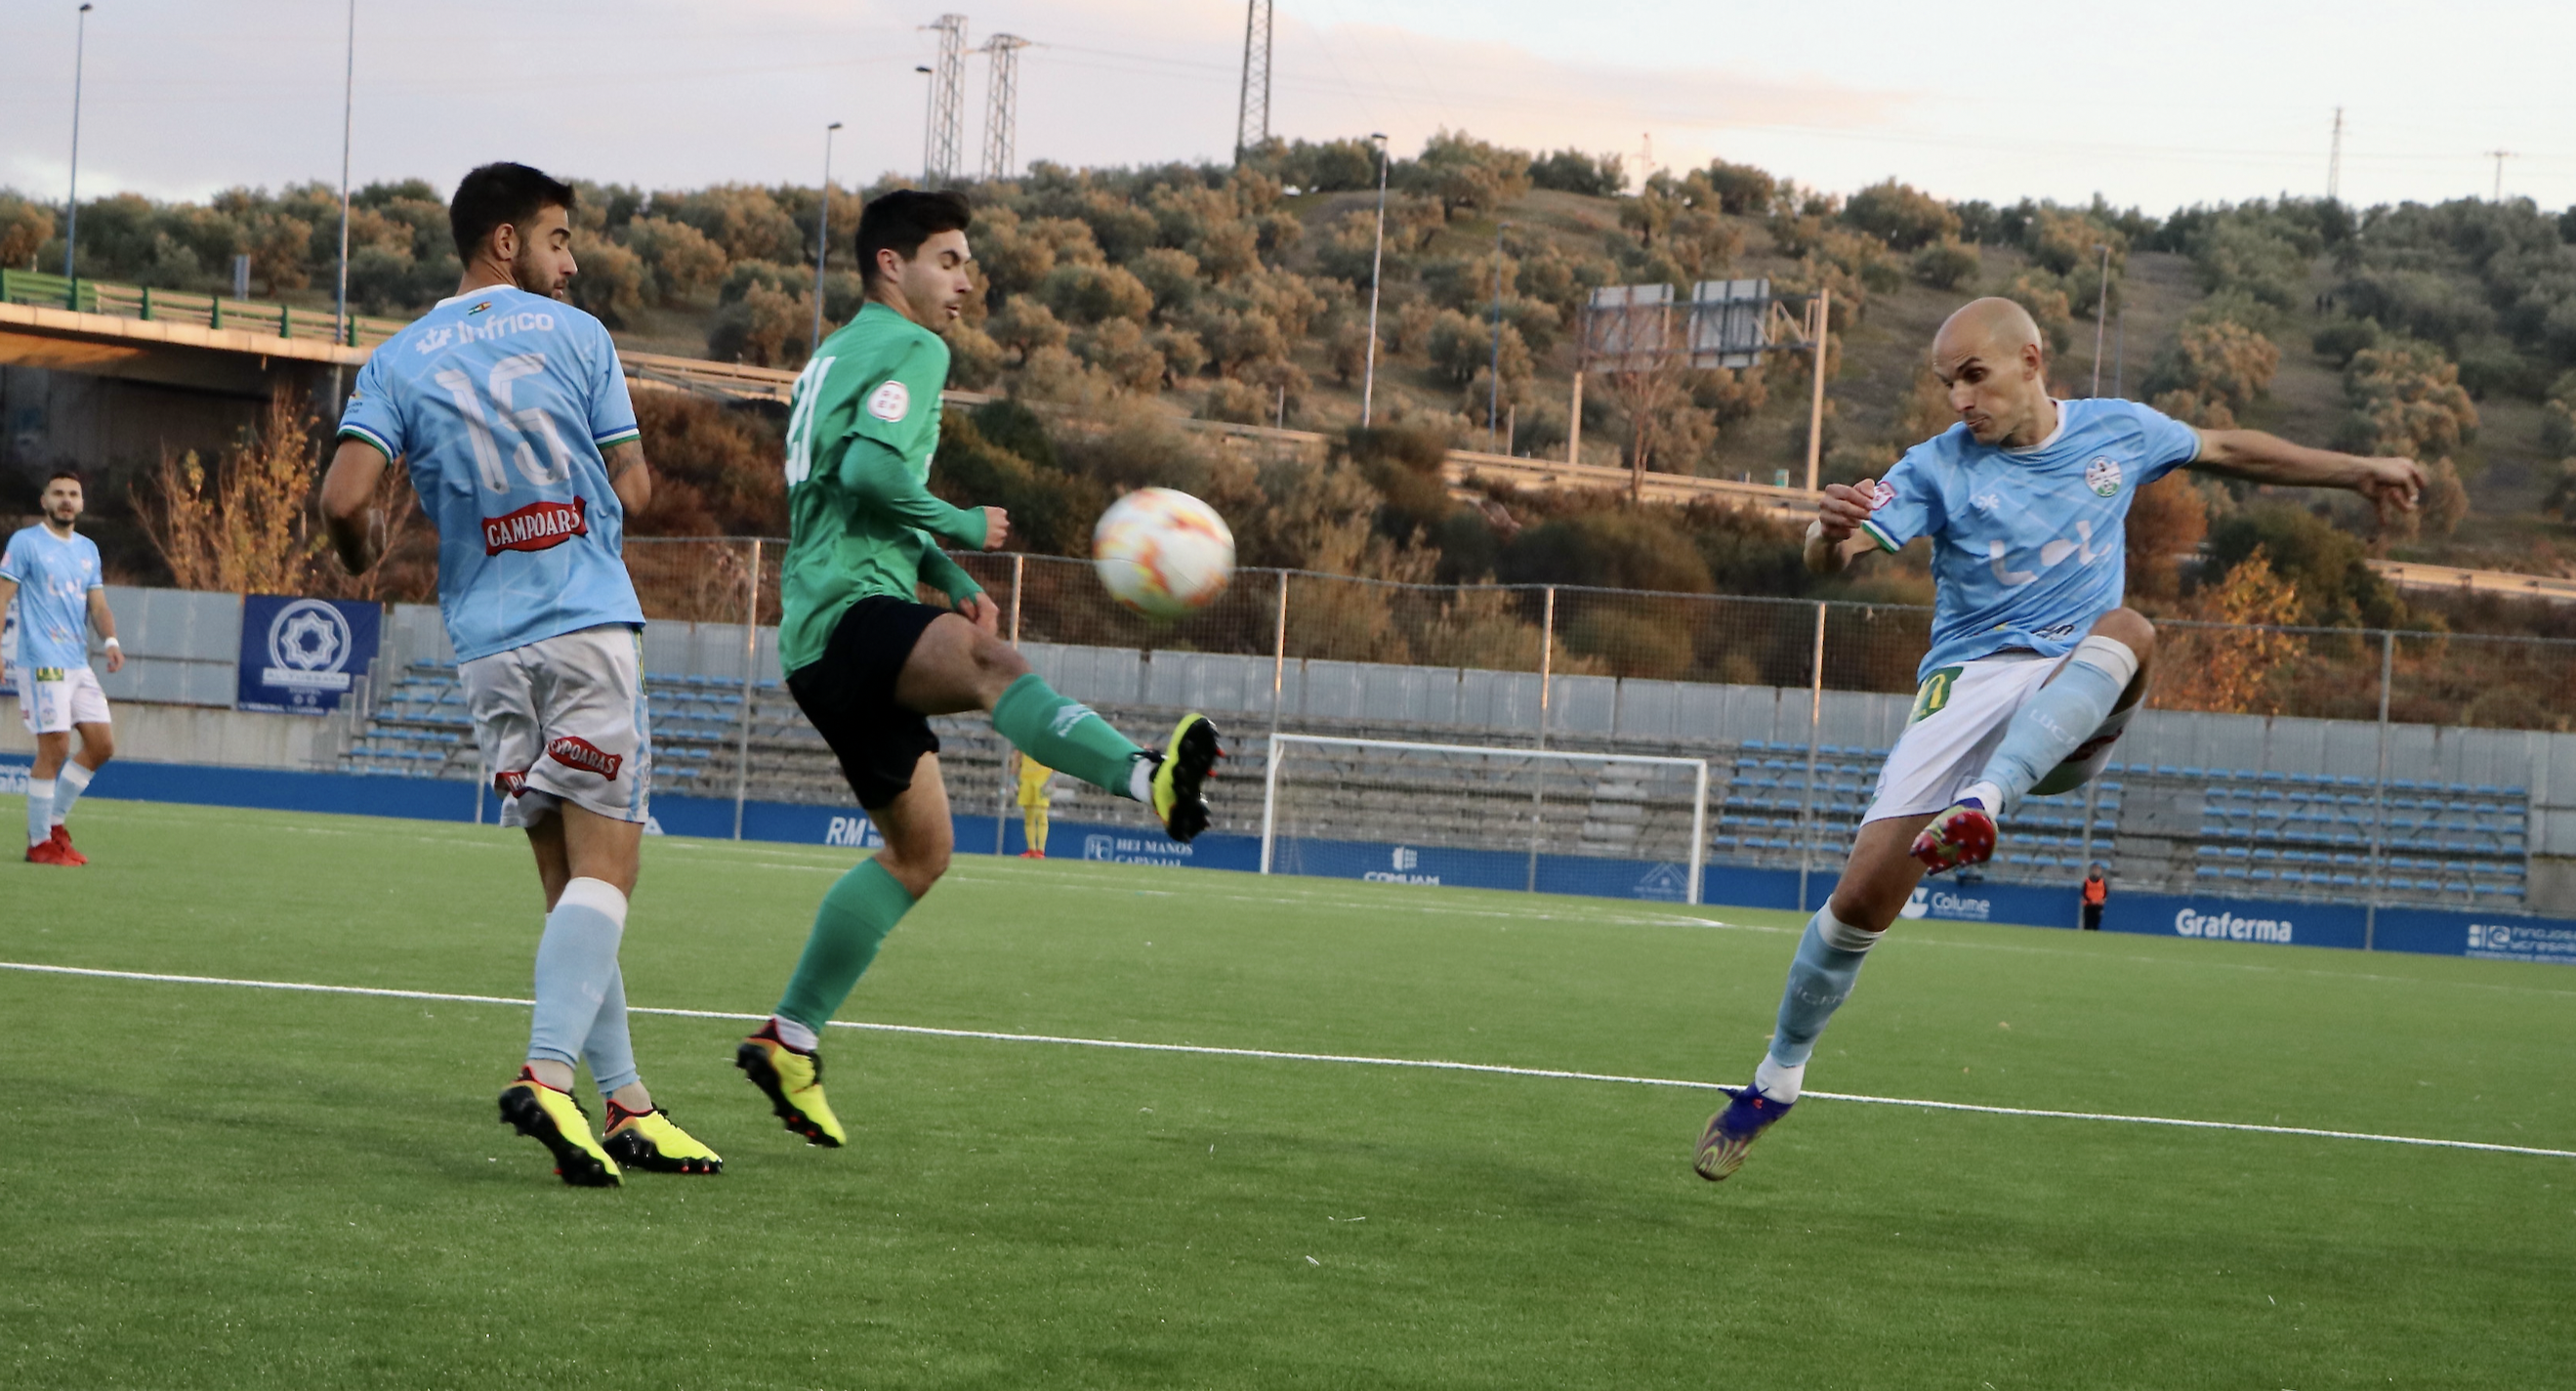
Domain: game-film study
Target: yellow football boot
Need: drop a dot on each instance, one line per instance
(555, 1120)
(651, 1140)
(1181, 772)
(794, 1084)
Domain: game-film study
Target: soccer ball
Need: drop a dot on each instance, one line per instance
(1162, 552)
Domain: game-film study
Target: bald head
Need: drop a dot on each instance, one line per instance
(1994, 328)
(1989, 355)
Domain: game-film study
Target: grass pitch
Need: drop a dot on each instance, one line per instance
(217, 1186)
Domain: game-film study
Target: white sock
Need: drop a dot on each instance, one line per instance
(1778, 1081)
(69, 784)
(794, 1035)
(1140, 780)
(40, 811)
(1987, 795)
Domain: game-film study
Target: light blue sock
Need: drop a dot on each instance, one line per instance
(576, 966)
(2062, 715)
(40, 810)
(69, 784)
(1820, 979)
(608, 1050)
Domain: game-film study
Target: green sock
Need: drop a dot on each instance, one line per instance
(1064, 735)
(862, 907)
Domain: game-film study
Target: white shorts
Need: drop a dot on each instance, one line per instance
(53, 699)
(563, 720)
(1960, 714)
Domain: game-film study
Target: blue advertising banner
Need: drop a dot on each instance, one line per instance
(2431, 931)
(300, 656)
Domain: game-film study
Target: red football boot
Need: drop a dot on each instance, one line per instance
(1964, 835)
(63, 842)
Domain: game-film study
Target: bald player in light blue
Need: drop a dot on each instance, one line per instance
(2035, 665)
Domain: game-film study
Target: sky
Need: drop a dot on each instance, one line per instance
(2190, 101)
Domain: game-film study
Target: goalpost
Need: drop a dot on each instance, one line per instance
(1608, 824)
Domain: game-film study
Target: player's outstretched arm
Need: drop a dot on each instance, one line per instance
(630, 476)
(348, 503)
(2261, 457)
(1835, 537)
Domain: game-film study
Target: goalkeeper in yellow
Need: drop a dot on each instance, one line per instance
(868, 664)
(1034, 777)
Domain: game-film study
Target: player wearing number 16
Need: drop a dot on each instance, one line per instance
(510, 409)
(868, 664)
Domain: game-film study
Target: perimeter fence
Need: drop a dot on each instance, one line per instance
(2342, 764)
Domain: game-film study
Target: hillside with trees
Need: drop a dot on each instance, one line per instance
(1117, 303)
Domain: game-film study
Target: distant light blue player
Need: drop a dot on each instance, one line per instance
(511, 410)
(2035, 666)
(51, 575)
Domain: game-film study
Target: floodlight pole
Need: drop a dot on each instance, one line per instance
(348, 110)
(71, 220)
(929, 116)
(822, 240)
(1822, 307)
(1377, 262)
(2101, 314)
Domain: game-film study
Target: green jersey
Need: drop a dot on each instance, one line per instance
(861, 427)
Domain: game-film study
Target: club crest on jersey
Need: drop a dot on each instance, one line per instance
(573, 751)
(536, 527)
(890, 402)
(2102, 475)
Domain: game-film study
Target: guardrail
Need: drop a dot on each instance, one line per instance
(2408, 574)
(180, 307)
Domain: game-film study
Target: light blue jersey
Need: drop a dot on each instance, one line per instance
(54, 577)
(502, 403)
(2029, 545)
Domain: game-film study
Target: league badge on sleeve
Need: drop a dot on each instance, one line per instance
(2103, 475)
(890, 402)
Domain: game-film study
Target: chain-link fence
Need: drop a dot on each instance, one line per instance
(2338, 764)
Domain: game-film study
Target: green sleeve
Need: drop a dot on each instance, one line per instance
(944, 574)
(875, 475)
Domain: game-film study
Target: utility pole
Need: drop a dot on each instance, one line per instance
(348, 110)
(947, 97)
(2334, 161)
(2500, 156)
(1377, 262)
(1822, 307)
(822, 240)
(2101, 314)
(71, 220)
(1252, 113)
(1001, 105)
(1494, 373)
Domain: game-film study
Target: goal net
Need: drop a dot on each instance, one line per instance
(1541, 820)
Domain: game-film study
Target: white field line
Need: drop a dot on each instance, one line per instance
(1277, 1055)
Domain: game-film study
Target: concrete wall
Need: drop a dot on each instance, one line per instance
(199, 734)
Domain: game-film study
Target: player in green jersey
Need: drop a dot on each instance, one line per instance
(867, 664)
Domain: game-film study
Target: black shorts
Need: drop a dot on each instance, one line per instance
(848, 694)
